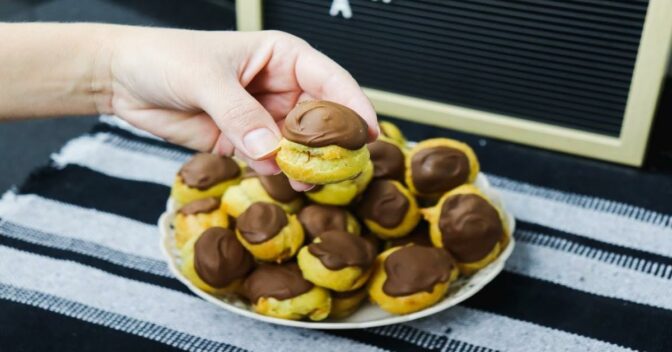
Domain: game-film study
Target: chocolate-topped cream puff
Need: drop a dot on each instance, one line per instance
(410, 278)
(337, 260)
(280, 291)
(342, 193)
(343, 304)
(216, 262)
(438, 165)
(467, 225)
(195, 217)
(391, 131)
(318, 219)
(389, 160)
(324, 142)
(204, 175)
(388, 209)
(269, 233)
(270, 189)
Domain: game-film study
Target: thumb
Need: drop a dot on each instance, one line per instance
(244, 121)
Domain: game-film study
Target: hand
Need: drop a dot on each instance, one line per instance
(226, 92)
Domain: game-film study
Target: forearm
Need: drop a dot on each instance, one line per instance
(53, 69)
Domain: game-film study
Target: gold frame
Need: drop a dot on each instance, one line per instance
(628, 148)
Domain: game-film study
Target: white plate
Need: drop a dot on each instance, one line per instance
(368, 314)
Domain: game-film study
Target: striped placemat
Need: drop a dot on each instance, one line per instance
(81, 269)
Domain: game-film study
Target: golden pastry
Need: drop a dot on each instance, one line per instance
(270, 189)
(216, 262)
(195, 217)
(342, 193)
(204, 175)
(436, 166)
(337, 260)
(324, 142)
(468, 226)
(280, 291)
(389, 159)
(388, 209)
(411, 278)
(318, 219)
(391, 131)
(419, 236)
(269, 233)
(343, 304)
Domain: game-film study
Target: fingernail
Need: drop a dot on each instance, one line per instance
(260, 143)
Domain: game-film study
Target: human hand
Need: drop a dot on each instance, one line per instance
(226, 92)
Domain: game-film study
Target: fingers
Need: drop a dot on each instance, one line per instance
(300, 186)
(322, 78)
(243, 120)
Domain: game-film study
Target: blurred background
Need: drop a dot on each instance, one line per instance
(28, 144)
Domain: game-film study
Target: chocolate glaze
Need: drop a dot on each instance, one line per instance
(320, 123)
(388, 160)
(282, 281)
(384, 204)
(278, 187)
(200, 206)
(415, 269)
(439, 169)
(205, 170)
(419, 236)
(261, 222)
(318, 219)
(470, 227)
(339, 249)
(219, 258)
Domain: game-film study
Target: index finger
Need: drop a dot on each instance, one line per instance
(322, 78)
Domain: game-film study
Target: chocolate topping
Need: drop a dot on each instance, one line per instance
(384, 204)
(278, 187)
(419, 236)
(414, 269)
(219, 258)
(261, 222)
(340, 249)
(318, 219)
(439, 169)
(278, 281)
(388, 160)
(470, 227)
(320, 123)
(200, 206)
(205, 170)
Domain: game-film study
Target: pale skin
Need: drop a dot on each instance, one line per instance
(221, 92)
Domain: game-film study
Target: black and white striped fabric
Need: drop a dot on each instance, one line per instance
(80, 266)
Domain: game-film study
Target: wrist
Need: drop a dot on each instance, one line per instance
(101, 87)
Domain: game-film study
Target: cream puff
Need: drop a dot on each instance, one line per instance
(280, 291)
(195, 217)
(388, 209)
(469, 226)
(337, 260)
(216, 262)
(438, 165)
(411, 278)
(269, 233)
(324, 142)
(204, 175)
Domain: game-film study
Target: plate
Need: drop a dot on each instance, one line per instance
(368, 314)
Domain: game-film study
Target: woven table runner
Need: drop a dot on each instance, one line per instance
(81, 269)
